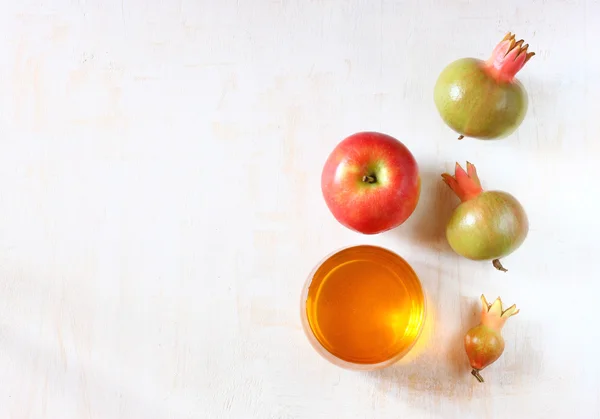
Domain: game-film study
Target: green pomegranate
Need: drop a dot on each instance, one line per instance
(487, 225)
(483, 99)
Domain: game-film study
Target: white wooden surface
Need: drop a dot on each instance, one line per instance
(160, 206)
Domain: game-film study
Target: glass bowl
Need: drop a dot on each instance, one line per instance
(363, 307)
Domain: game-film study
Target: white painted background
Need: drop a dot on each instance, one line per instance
(160, 206)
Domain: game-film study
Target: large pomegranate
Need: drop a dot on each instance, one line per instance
(483, 99)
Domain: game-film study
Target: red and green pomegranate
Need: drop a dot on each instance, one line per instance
(484, 343)
(483, 99)
(487, 225)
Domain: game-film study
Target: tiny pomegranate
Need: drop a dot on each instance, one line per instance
(484, 343)
(487, 225)
(483, 99)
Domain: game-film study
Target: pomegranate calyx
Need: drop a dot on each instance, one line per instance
(508, 57)
(465, 184)
(492, 314)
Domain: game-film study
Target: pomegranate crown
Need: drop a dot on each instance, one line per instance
(509, 57)
(492, 314)
(465, 184)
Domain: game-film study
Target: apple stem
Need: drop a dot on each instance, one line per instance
(369, 179)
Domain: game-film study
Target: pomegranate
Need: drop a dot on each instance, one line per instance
(487, 225)
(484, 343)
(483, 99)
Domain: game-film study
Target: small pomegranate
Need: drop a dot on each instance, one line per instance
(487, 225)
(482, 99)
(484, 343)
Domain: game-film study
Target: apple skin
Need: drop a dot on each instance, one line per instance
(371, 182)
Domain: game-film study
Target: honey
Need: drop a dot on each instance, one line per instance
(365, 305)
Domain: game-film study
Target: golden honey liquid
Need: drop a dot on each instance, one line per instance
(365, 305)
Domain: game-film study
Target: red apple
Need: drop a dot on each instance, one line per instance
(371, 182)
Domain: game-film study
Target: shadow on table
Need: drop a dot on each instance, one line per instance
(427, 225)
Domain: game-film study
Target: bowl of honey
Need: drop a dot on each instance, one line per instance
(363, 307)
